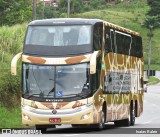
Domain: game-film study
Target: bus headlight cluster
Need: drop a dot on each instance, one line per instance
(84, 107)
(86, 116)
(26, 117)
(28, 108)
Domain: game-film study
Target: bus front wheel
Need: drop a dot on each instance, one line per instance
(100, 125)
(43, 130)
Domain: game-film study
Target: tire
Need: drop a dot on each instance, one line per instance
(80, 125)
(118, 123)
(132, 115)
(75, 125)
(130, 121)
(43, 130)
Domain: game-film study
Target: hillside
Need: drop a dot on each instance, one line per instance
(130, 15)
(127, 14)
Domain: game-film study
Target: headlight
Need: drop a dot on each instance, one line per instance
(28, 108)
(26, 117)
(84, 107)
(86, 116)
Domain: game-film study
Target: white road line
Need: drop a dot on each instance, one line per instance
(71, 135)
(147, 122)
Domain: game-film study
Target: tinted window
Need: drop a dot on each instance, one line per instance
(119, 43)
(109, 40)
(55, 81)
(58, 35)
(122, 43)
(95, 78)
(97, 36)
(137, 47)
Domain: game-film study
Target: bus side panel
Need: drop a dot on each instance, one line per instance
(118, 104)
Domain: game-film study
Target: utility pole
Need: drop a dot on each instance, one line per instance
(34, 9)
(43, 10)
(69, 6)
(149, 53)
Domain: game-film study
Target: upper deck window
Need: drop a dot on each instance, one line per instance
(58, 35)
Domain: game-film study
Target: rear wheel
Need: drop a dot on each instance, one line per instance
(132, 115)
(130, 121)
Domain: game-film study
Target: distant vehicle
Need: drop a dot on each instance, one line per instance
(80, 72)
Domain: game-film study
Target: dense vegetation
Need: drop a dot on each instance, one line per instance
(127, 14)
(130, 14)
(19, 11)
(15, 11)
(11, 40)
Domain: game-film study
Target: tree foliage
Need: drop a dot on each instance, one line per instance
(19, 11)
(75, 5)
(46, 11)
(15, 11)
(151, 23)
(79, 6)
(155, 9)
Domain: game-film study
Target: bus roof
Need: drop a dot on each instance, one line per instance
(57, 21)
(122, 29)
(76, 21)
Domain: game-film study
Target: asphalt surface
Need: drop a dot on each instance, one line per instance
(157, 74)
(149, 121)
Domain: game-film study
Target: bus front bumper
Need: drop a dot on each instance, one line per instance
(68, 116)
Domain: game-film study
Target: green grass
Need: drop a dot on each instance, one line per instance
(153, 80)
(10, 119)
(11, 38)
(153, 67)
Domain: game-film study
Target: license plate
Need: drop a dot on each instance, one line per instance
(54, 120)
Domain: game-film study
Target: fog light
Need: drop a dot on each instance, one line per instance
(26, 117)
(86, 116)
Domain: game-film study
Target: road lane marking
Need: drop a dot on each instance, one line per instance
(71, 135)
(147, 122)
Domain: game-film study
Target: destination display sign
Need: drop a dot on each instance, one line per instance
(118, 82)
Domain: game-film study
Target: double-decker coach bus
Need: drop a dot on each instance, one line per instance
(80, 72)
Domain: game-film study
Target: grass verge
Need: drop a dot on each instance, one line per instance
(10, 118)
(153, 80)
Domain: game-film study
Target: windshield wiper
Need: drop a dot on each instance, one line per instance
(51, 91)
(79, 95)
(32, 95)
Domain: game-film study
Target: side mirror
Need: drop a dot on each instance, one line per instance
(93, 62)
(145, 82)
(14, 63)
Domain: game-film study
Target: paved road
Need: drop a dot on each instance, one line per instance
(149, 119)
(157, 74)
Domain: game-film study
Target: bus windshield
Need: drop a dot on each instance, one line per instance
(58, 35)
(55, 81)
